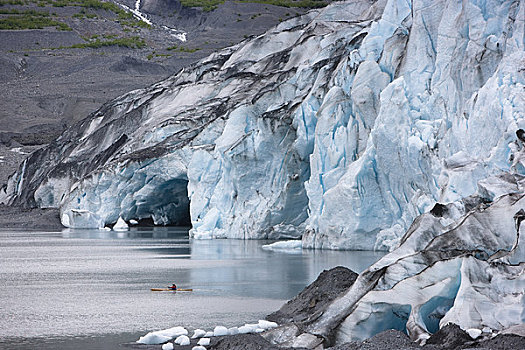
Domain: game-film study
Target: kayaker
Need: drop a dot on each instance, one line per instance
(173, 287)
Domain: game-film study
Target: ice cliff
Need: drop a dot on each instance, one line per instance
(341, 126)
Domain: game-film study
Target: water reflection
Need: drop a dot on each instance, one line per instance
(133, 233)
(248, 270)
(81, 282)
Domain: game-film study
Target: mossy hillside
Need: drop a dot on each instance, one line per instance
(210, 5)
(133, 42)
(28, 19)
(125, 18)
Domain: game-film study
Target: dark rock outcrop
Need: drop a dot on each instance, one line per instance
(387, 340)
(450, 337)
(328, 286)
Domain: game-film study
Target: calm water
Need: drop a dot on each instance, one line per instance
(91, 289)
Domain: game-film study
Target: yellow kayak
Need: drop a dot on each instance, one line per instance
(171, 290)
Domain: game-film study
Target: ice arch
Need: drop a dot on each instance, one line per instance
(166, 204)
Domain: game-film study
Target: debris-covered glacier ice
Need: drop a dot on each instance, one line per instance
(456, 264)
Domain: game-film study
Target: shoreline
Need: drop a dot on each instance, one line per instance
(13, 217)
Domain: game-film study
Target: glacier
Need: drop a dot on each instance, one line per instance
(392, 125)
(466, 272)
(461, 263)
(386, 106)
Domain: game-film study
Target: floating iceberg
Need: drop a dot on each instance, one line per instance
(162, 336)
(120, 225)
(292, 245)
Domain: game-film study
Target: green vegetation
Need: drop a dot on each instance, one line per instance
(96, 41)
(135, 23)
(29, 19)
(176, 48)
(24, 12)
(291, 3)
(210, 5)
(124, 17)
(84, 14)
(206, 5)
(133, 42)
(154, 54)
(11, 2)
(92, 4)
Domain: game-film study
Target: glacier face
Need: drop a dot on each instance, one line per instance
(442, 122)
(341, 126)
